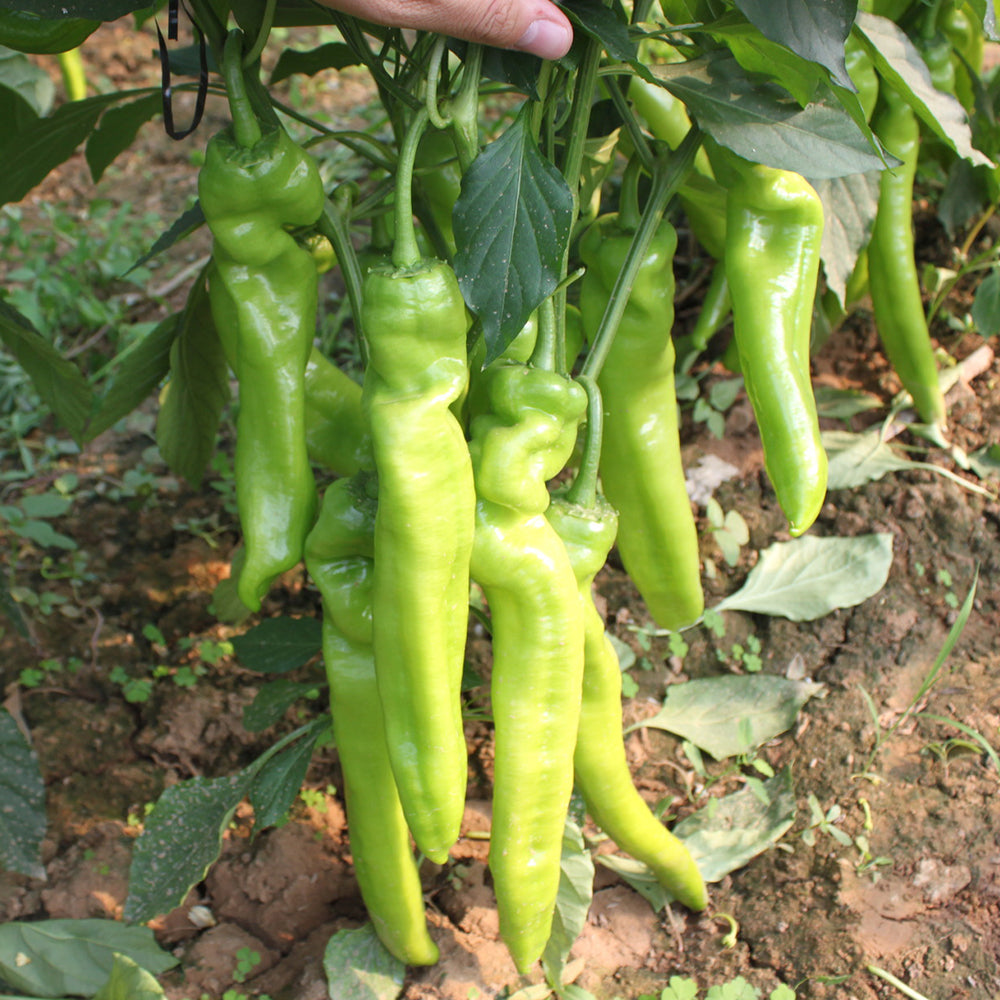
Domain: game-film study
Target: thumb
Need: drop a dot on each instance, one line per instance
(535, 26)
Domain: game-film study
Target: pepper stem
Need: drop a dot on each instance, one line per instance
(545, 354)
(628, 203)
(246, 128)
(464, 108)
(668, 175)
(584, 489)
(267, 19)
(405, 251)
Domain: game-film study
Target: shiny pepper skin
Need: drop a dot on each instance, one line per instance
(415, 322)
(893, 279)
(263, 293)
(338, 554)
(599, 761)
(336, 432)
(641, 467)
(537, 627)
(773, 231)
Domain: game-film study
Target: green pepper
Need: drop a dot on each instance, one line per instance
(641, 466)
(415, 325)
(263, 291)
(893, 279)
(439, 181)
(338, 554)
(27, 32)
(336, 432)
(537, 626)
(774, 227)
(861, 70)
(964, 29)
(716, 308)
(587, 524)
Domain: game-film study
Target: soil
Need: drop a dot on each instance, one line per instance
(916, 893)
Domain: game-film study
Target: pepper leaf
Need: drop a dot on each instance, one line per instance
(512, 225)
(813, 29)
(358, 967)
(576, 889)
(22, 802)
(278, 645)
(849, 207)
(101, 10)
(129, 981)
(903, 68)
(759, 122)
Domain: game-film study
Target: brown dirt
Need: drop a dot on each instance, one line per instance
(807, 915)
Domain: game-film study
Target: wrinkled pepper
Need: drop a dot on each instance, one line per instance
(774, 228)
(415, 325)
(641, 467)
(893, 279)
(537, 627)
(339, 552)
(255, 183)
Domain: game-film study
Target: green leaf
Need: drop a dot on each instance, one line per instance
(512, 224)
(22, 802)
(604, 24)
(100, 10)
(730, 831)
(901, 66)
(135, 373)
(640, 877)
(31, 154)
(775, 63)
(26, 84)
(986, 305)
(45, 505)
(53, 958)
(278, 645)
(842, 404)
(273, 700)
(59, 382)
(12, 610)
(809, 577)
(576, 889)
(758, 122)
(813, 29)
(192, 401)
(129, 981)
(42, 533)
(985, 461)
(117, 130)
(332, 55)
(358, 967)
(181, 838)
(278, 781)
(680, 989)
(185, 224)
(849, 207)
(730, 715)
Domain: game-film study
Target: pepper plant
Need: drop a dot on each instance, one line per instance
(746, 124)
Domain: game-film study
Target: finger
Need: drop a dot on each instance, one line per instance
(534, 26)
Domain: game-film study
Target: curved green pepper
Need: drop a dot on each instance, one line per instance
(893, 279)
(336, 431)
(537, 625)
(263, 293)
(774, 228)
(338, 554)
(641, 467)
(415, 322)
(599, 761)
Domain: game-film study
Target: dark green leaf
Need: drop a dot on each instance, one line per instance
(101, 10)
(181, 227)
(813, 29)
(358, 967)
(53, 958)
(901, 66)
(136, 373)
(273, 700)
(10, 608)
(59, 382)
(333, 55)
(22, 802)
(757, 55)
(42, 533)
(30, 155)
(181, 838)
(117, 131)
(967, 192)
(518, 70)
(23, 83)
(512, 225)
(606, 25)
(45, 505)
(758, 122)
(278, 782)
(278, 645)
(192, 401)
(849, 207)
(986, 305)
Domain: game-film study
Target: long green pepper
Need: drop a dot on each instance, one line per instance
(254, 185)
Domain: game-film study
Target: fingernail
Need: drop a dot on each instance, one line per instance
(546, 39)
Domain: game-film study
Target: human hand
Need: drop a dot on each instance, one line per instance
(535, 26)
